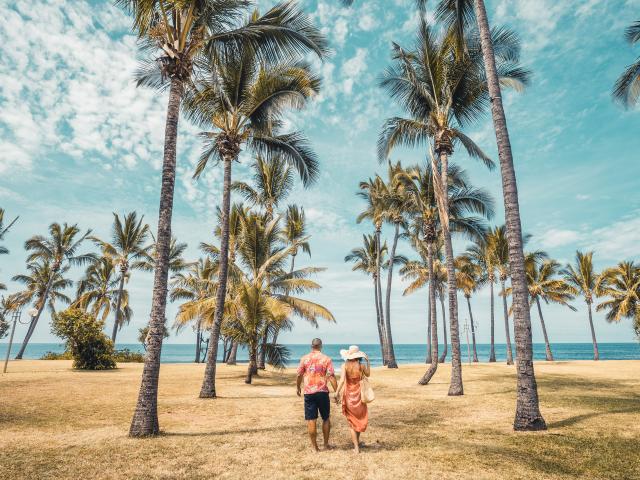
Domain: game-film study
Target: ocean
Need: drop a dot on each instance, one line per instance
(405, 353)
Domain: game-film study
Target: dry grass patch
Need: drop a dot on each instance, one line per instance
(60, 423)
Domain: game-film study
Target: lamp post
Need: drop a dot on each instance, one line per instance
(32, 312)
(466, 331)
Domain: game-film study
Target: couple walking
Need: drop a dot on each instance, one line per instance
(315, 372)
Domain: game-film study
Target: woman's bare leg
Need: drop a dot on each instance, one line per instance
(355, 437)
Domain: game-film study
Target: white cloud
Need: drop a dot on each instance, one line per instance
(558, 237)
(617, 241)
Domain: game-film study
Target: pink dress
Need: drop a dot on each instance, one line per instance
(352, 407)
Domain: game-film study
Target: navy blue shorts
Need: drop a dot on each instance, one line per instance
(317, 402)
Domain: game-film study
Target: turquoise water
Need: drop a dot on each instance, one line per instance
(405, 353)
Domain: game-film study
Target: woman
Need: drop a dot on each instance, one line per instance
(348, 392)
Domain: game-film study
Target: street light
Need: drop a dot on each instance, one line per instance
(15, 317)
(466, 331)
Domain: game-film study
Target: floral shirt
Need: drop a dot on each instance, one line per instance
(316, 368)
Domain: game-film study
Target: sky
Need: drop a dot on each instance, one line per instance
(79, 141)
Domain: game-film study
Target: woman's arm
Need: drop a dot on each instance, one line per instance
(366, 369)
(343, 376)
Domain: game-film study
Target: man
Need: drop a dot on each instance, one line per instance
(314, 370)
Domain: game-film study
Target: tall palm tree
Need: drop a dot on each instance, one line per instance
(375, 192)
(443, 93)
(180, 32)
(466, 207)
(99, 291)
(273, 182)
(126, 249)
(480, 254)
(583, 279)
(627, 87)
(545, 284)
(44, 286)
(622, 284)
(148, 261)
(197, 284)
(3, 231)
(243, 99)
(57, 251)
(366, 259)
(499, 248)
(469, 279)
(295, 229)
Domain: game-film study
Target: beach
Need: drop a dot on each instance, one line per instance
(61, 423)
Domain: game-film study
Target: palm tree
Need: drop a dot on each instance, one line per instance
(243, 100)
(583, 279)
(44, 286)
(443, 93)
(295, 229)
(544, 283)
(499, 248)
(148, 261)
(273, 183)
(194, 286)
(180, 33)
(126, 249)
(99, 291)
(469, 279)
(464, 204)
(3, 231)
(57, 251)
(375, 192)
(480, 254)
(627, 87)
(366, 259)
(622, 284)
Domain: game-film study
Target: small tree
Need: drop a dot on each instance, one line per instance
(90, 348)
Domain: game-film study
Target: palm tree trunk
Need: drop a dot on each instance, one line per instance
(473, 331)
(378, 320)
(455, 387)
(492, 351)
(596, 354)
(507, 333)
(208, 389)
(34, 320)
(293, 262)
(443, 357)
(428, 360)
(263, 352)
(544, 332)
(116, 323)
(528, 416)
(383, 345)
(145, 417)
(392, 357)
(252, 367)
(434, 325)
(233, 353)
(198, 340)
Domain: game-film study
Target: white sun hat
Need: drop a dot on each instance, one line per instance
(353, 353)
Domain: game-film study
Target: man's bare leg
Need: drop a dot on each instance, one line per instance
(313, 434)
(355, 438)
(326, 430)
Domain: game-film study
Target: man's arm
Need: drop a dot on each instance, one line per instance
(333, 382)
(299, 380)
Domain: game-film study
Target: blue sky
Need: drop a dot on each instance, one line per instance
(79, 141)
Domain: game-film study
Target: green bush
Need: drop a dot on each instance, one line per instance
(127, 356)
(90, 348)
(57, 356)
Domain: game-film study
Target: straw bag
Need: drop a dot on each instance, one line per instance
(366, 392)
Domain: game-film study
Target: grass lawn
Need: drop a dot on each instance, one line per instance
(60, 423)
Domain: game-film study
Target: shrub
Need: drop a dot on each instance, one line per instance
(90, 348)
(57, 356)
(127, 356)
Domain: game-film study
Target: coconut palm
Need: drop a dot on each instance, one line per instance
(273, 182)
(295, 229)
(469, 278)
(4, 230)
(99, 291)
(627, 87)
(376, 193)
(622, 285)
(583, 279)
(242, 100)
(56, 251)
(366, 259)
(466, 207)
(443, 93)
(9, 305)
(544, 283)
(148, 261)
(126, 249)
(197, 284)
(180, 32)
